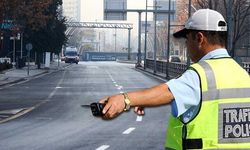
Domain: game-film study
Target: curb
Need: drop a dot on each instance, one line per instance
(26, 110)
(126, 61)
(12, 82)
(46, 71)
(7, 70)
(4, 78)
(21, 79)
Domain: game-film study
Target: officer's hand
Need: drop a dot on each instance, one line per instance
(114, 106)
(139, 111)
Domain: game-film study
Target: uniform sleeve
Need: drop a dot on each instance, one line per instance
(186, 91)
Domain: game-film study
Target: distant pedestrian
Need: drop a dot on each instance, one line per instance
(211, 100)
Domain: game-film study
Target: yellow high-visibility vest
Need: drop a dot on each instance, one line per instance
(223, 119)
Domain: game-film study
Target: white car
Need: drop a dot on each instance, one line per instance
(71, 55)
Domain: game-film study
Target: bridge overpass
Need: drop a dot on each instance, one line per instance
(72, 26)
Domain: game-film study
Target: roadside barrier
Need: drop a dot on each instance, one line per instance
(175, 69)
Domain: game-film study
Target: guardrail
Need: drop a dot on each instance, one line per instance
(175, 69)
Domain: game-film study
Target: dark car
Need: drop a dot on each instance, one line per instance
(174, 58)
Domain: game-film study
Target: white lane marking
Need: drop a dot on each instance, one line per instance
(103, 147)
(17, 115)
(139, 118)
(128, 131)
(116, 85)
(58, 87)
(55, 90)
(51, 94)
(121, 92)
(110, 76)
(114, 82)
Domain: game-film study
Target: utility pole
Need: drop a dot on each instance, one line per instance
(230, 28)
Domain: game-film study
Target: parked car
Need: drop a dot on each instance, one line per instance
(71, 55)
(174, 58)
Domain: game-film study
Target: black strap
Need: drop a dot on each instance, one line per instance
(192, 143)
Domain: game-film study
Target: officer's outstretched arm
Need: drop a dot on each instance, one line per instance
(154, 96)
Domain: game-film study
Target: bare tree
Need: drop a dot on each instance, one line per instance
(241, 13)
(162, 38)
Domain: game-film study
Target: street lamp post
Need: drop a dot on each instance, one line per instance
(99, 38)
(189, 15)
(230, 28)
(145, 43)
(115, 44)
(14, 49)
(21, 45)
(248, 47)
(189, 8)
(115, 39)
(139, 41)
(129, 49)
(155, 35)
(168, 51)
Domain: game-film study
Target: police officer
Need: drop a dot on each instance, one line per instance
(211, 100)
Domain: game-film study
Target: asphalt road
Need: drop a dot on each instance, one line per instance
(56, 120)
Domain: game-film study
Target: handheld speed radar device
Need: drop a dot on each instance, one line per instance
(96, 108)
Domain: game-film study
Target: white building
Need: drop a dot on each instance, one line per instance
(72, 9)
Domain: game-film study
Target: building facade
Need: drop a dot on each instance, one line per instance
(72, 9)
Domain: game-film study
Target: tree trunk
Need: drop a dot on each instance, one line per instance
(39, 59)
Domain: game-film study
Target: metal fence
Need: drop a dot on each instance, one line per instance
(176, 69)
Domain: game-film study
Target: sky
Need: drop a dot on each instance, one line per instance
(92, 11)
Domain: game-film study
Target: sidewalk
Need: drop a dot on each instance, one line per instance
(17, 75)
(13, 109)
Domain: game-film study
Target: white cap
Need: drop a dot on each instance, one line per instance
(203, 20)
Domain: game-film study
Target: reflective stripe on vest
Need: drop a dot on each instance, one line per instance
(233, 120)
(224, 117)
(213, 93)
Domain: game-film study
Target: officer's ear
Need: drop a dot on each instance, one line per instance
(200, 38)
